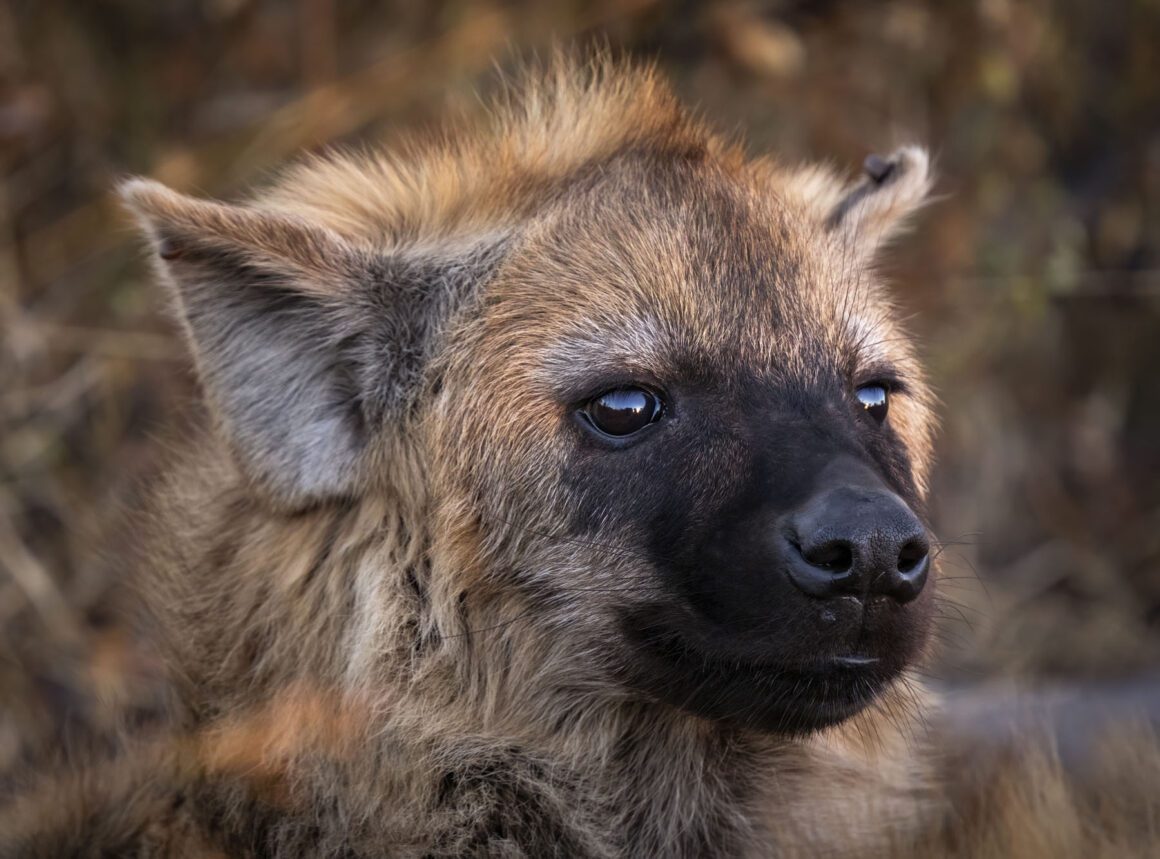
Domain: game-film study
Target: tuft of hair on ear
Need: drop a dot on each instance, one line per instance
(868, 214)
(186, 230)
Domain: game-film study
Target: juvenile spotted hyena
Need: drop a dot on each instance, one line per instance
(561, 493)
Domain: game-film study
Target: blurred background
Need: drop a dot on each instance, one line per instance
(1034, 280)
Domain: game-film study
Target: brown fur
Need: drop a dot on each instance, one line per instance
(377, 644)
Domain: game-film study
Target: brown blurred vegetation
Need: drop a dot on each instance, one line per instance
(1034, 280)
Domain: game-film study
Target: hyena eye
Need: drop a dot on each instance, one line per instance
(623, 411)
(875, 399)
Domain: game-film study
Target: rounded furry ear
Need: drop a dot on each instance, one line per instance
(258, 294)
(876, 209)
(306, 345)
(866, 215)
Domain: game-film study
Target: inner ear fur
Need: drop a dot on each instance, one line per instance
(305, 344)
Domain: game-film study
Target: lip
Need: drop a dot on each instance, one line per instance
(855, 661)
(815, 668)
(789, 698)
(676, 648)
(848, 662)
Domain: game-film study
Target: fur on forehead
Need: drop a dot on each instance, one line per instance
(685, 262)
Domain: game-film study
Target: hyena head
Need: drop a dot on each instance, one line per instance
(644, 399)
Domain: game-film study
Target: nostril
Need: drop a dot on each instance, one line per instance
(835, 556)
(911, 555)
(823, 569)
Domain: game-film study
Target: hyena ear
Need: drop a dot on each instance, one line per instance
(868, 214)
(304, 342)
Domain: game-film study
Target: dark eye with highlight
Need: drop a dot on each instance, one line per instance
(623, 411)
(875, 399)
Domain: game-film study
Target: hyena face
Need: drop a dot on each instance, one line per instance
(701, 427)
(650, 407)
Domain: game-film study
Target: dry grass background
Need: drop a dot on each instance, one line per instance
(1035, 280)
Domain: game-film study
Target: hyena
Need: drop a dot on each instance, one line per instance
(560, 492)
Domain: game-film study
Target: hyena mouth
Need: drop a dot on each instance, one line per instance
(731, 685)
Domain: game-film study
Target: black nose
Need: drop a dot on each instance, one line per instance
(851, 540)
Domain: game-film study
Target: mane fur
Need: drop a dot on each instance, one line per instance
(483, 171)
